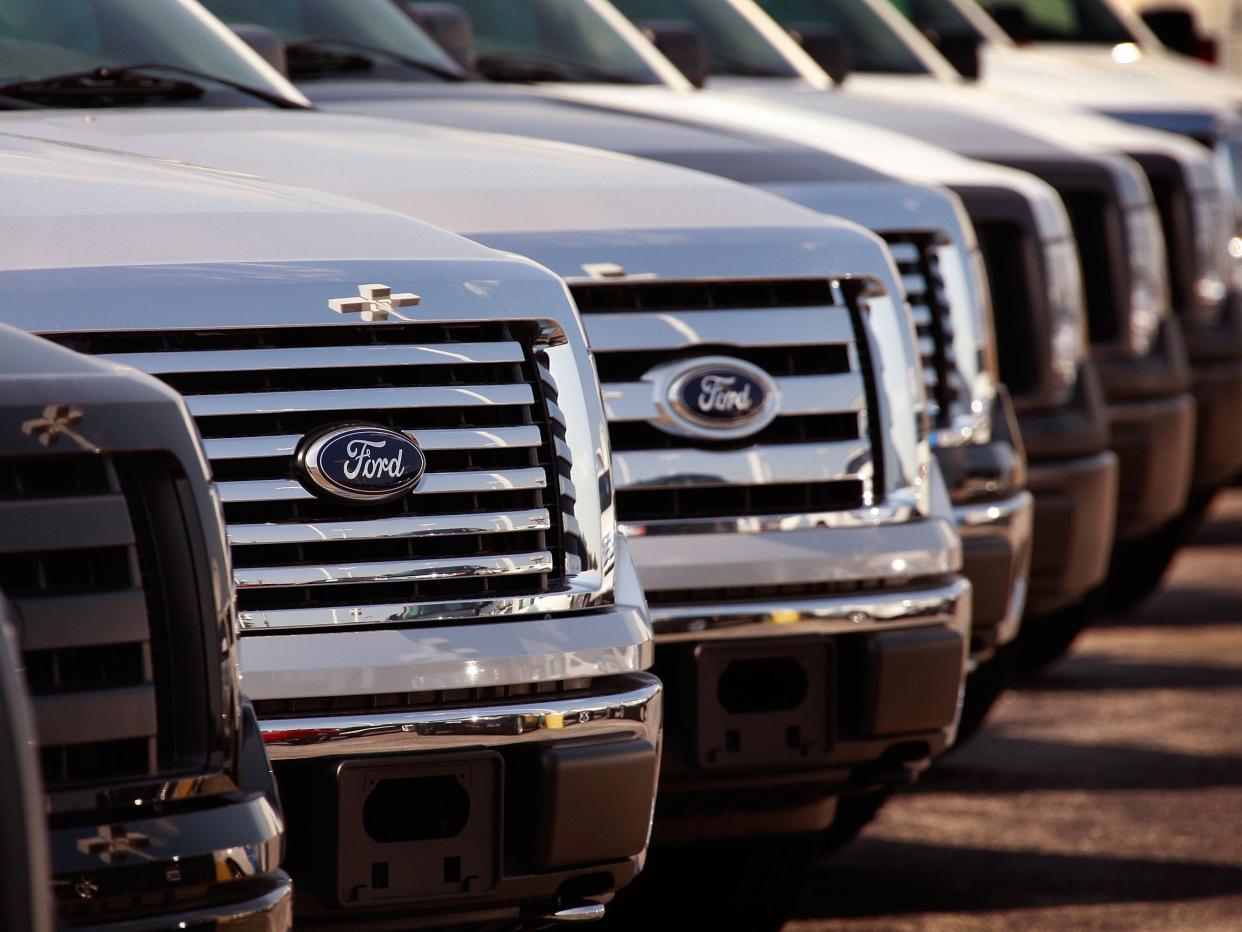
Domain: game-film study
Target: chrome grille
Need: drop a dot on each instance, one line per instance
(485, 521)
(815, 456)
(918, 264)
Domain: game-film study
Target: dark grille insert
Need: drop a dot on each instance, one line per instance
(1097, 228)
(637, 505)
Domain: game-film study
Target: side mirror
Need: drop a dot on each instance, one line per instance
(1013, 19)
(268, 44)
(1175, 27)
(827, 47)
(961, 49)
(449, 25)
(681, 44)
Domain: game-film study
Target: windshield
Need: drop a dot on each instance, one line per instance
(937, 18)
(875, 47)
(41, 39)
(1085, 21)
(551, 40)
(359, 25)
(736, 47)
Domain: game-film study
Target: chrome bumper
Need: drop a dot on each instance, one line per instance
(876, 610)
(630, 706)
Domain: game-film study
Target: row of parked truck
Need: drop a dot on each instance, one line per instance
(453, 455)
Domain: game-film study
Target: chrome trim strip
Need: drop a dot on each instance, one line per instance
(535, 519)
(361, 399)
(492, 438)
(983, 514)
(761, 465)
(319, 357)
(887, 513)
(633, 710)
(799, 394)
(883, 609)
(249, 577)
(433, 483)
(670, 330)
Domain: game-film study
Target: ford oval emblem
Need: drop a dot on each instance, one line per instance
(360, 463)
(717, 397)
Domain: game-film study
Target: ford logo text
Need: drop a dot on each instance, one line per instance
(360, 463)
(716, 397)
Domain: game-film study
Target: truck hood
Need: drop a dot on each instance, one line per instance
(991, 124)
(781, 113)
(76, 205)
(468, 182)
(827, 179)
(1090, 77)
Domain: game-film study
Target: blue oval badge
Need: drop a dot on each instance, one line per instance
(720, 396)
(361, 463)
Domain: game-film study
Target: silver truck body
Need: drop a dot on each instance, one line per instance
(546, 638)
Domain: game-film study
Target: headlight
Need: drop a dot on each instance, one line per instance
(1213, 228)
(1149, 277)
(1068, 344)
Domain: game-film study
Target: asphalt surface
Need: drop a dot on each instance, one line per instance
(1107, 794)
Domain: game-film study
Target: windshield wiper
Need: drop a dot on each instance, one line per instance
(732, 66)
(317, 55)
(541, 66)
(125, 84)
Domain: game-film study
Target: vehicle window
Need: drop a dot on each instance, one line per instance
(39, 39)
(363, 23)
(875, 46)
(1069, 20)
(936, 17)
(551, 40)
(736, 47)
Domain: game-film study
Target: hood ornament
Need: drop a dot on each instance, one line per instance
(376, 303)
(58, 421)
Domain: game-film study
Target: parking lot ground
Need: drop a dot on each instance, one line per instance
(1105, 795)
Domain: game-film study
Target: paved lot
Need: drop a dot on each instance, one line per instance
(1106, 795)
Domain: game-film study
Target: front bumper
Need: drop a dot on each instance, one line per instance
(216, 863)
(1154, 441)
(996, 558)
(879, 674)
(593, 752)
(1075, 511)
(1218, 440)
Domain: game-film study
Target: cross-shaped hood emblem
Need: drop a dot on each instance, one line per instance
(376, 303)
(58, 421)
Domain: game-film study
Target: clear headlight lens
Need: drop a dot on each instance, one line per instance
(1067, 302)
(1149, 277)
(1214, 230)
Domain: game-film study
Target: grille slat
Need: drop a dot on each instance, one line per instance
(230, 448)
(342, 357)
(814, 456)
(290, 490)
(359, 399)
(408, 570)
(810, 326)
(799, 395)
(538, 519)
(485, 522)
